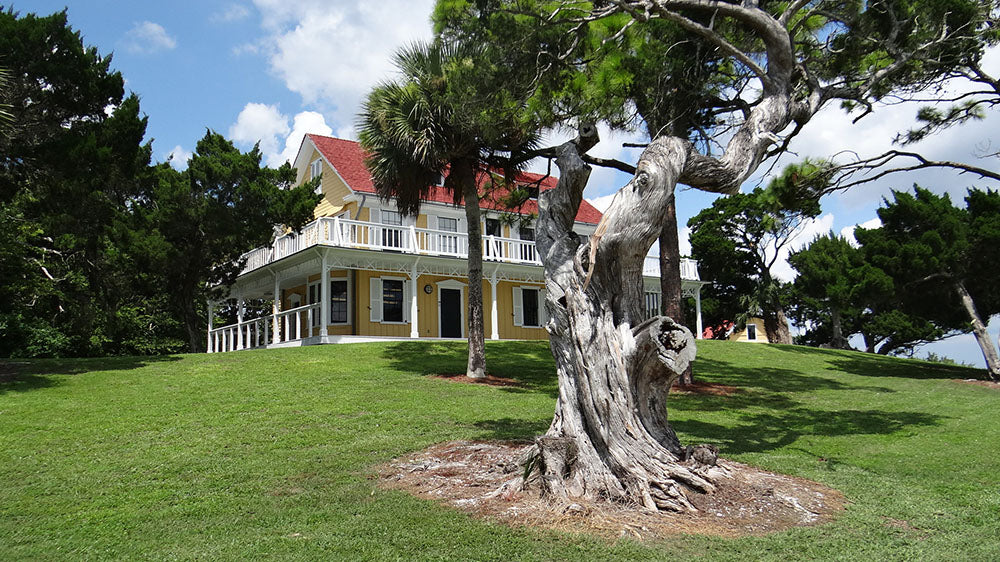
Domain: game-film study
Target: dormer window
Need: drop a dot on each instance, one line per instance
(439, 180)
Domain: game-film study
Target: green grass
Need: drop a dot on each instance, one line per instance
(269, 454)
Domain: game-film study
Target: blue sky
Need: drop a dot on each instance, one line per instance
(273, 70)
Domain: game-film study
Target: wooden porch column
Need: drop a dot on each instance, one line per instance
(210, 348)
(239, 323)
(697, 307)
(414, 323)
(275, 309)
(324, 298)
(494, 316)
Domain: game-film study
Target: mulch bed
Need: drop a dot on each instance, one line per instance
(977, 382)
(700, 387)
(468, 475)
(490, 380)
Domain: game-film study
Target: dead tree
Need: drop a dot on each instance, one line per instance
(609, 438)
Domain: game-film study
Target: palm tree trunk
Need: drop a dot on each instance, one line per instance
(477, 330)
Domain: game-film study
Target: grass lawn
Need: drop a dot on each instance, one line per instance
(268, 454)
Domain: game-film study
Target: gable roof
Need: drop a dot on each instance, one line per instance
(348, 160)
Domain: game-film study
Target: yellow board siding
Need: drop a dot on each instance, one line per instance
(505, 308)
(334, 190)
(363, 299)
(421, 221)
(302, 292)
(742, 334)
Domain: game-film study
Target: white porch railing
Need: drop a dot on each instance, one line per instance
(689, 268)
(345, 233)
(294, 324)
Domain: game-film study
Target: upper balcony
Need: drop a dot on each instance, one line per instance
(345, 233)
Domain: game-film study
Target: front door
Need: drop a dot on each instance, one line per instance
(451, 313)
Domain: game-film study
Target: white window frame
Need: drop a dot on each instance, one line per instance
(350, 300)
(407, 296)
(751, 331)
(518, 300)
(316, 170)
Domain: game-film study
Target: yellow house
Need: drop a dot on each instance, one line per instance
(363, 271)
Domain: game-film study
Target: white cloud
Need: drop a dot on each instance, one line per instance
(848, 231)
(178, 158)
(302, 123)
(232, 12)
(147, 38)
(265, 124)
(333, 53)
(260, 123)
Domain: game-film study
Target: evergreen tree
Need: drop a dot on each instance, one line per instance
(201, 221)
(938, 261)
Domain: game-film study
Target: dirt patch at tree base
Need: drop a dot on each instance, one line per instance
(488, 380)
(470, 475)
(977, 382)
(700, 387)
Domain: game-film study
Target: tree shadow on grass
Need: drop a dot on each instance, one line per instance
(513, 429)
(773, 379)
(768, 431)
(880, 366)
(528, 363)
(32, 374)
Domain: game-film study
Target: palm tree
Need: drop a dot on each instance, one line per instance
(414, 132)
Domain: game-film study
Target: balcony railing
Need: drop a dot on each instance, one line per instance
(345, 233)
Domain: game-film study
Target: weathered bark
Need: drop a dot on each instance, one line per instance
(776, 326)
(979, 329)
(477, 331)
(837, 341)
(671, 301)
(610, 438)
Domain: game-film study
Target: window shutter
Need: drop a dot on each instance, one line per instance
(375, 299)
(407, 295)
(543, 315)
(518, 308)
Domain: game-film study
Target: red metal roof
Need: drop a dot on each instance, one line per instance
(348, 159)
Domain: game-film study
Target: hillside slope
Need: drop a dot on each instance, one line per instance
(268, 454)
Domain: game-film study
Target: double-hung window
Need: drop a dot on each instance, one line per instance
(392, 237)
(529, 303)
(527, 250)
(392, 300)
(449, 242)
(338, 301)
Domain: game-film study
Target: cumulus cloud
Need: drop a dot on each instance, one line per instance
(147, 38)
(267, 125)
(333, 53)
(178, 158)
(848, 231)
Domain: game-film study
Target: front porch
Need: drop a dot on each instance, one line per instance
(392, 282)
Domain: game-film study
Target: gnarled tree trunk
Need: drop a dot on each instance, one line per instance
(610, 438)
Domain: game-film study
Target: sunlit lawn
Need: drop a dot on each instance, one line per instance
(268, 454)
